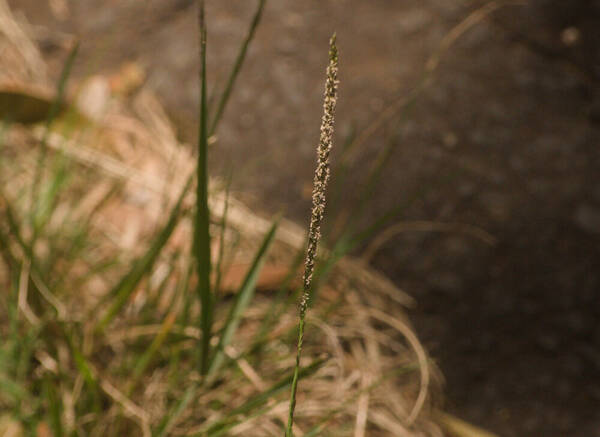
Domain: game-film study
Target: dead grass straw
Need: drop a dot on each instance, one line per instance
(364, 369)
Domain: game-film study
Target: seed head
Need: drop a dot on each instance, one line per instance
(321, 173)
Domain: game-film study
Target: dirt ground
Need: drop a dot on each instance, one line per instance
(505, 139)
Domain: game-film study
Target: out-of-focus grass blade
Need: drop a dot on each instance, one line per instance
(48, 196)
(237, 67)
(122, 291)
(389, 215)
(223, 226)
(231, 419)
(340, 173)
(459, 428)
(54, 407)
(12, 389)
(201, 247)
(146, 357)
(278, 305)
(175, 354)
(52, 113)
(325, 265)
(23, 106)
(62, 83)
(13, 225)
(5, 251)
(83, 367)
(171, 417)
(242, 299)
(4, 126)
(318, 429)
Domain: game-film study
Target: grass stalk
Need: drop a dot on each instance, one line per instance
(201, 225)
(119, 295)
(318, 208)
(53, 112)
(241, 413)
(237, 67)
(242, 300)
(223, 228)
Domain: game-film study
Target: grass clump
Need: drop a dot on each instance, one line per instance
(112, 335)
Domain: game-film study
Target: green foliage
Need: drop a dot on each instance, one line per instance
(50, 354)
(242, 300)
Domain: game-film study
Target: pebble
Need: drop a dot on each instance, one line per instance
(587, 218)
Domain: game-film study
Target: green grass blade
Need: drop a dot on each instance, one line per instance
(384, 219)
(125, 287)
(242, 300)
(5, 252)
(54, 408)
(279, 303)
(54, 110)
(223, 227)
(146, 358)
(46, 200)
(83, 367)
(171, 417)
(341, 173)
(11, 390)
(231, 418)
(318, 429)
(13, 225)
(237, 67)
(201, 247)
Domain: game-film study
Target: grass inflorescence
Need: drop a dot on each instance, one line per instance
(320, 181)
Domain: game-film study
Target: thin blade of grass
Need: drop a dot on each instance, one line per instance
(13, 225)
(459, 428)
(54, 110)
(6, 252)
(278, 305)
(241, 302)
(46, 200)
(4, 127)
(341, 173)
(171, 417)
(145, 359)
(318, 429)
(13, 390)
(176, 352)
(237, 67)
(356, 238)
(128, 283)
(227, 422)
(83, 367)
(201, 248)
(223, 227)
(54, 408)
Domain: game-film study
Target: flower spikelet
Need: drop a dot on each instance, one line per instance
(321, 173)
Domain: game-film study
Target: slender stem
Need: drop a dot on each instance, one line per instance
(201, 226)
(318, 208)
(57, 104)
(237, 67)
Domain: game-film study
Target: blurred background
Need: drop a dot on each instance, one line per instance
(472, 127)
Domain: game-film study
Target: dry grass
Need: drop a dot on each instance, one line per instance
(125, 169)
